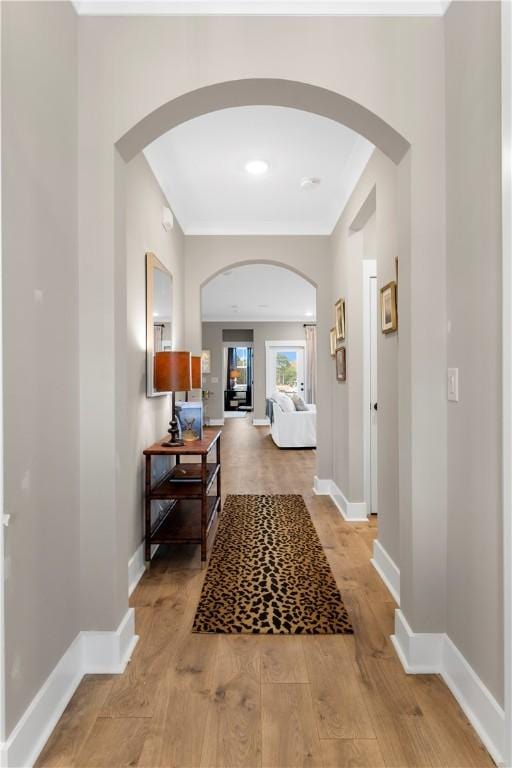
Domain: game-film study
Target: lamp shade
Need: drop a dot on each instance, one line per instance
(172, 372)
(197, 378)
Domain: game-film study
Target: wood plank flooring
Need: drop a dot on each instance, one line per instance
(199, 701)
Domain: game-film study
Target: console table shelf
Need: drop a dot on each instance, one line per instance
(191, 511)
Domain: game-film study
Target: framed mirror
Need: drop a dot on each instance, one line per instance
(158, 316)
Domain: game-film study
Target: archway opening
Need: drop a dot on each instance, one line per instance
(259, 338)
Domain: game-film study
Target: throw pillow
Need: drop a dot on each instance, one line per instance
(299, 403)
(285, 403)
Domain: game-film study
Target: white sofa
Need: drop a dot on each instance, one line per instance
(294, 429)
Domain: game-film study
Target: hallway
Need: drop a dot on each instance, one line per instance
(200, 700)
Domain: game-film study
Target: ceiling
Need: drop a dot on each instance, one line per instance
(239, 293)
(261, 7)
(200, 166)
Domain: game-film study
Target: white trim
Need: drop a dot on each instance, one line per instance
(89, 653)
(369, 271)
(215, 422)
(387, 570)
(136, 568)
(109, 652)
(422, 653)
(506, 159)
(2, 510)
(261, 422)
(419, 653)
(351, 511)
(260, 7)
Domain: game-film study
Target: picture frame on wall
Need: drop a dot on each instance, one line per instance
(339, 311)
(341, 364)
(388, 308)
(332, 339)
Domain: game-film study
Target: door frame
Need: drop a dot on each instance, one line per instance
(506, 159)
(369, 271)
(277, 343)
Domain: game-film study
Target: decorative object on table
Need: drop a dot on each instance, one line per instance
(190, 417)
(233, 376)
(339, 309)
(332, 339)
(388, 309)
(341, 364)
(206, 361)
(303, 600)
(172, 374)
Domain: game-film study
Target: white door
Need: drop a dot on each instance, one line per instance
(285, 368)
(373, 394)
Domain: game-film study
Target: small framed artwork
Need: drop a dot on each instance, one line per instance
(332, 336)
(341, 364)
(339, 309)
(206, 361)
(388, 311)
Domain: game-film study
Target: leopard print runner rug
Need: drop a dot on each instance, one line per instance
(268, 573)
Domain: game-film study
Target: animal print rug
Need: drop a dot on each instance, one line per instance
(268, 573)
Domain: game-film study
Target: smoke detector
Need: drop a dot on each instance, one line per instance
(309, 182)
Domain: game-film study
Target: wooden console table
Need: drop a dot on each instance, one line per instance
(191, 511)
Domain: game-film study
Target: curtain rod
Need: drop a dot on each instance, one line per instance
(308, 325)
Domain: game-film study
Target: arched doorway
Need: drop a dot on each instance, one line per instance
(273, 302)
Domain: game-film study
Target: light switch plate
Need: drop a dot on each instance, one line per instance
(453, 384)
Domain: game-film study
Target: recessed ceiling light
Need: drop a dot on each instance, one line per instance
(256, 167)
(309, 182)
(309, 314)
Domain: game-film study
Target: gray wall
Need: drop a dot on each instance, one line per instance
(144, 420)
(212, 339)
(376, 240)
(40, 321)
(473, 125)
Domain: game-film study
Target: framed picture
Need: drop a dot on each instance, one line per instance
(341, 364)
(339, 309)
(388, 311)
(332, 335)
(206, 361)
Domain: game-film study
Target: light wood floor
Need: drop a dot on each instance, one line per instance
(187, 701)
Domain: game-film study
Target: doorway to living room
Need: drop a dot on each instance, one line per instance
(260, 348)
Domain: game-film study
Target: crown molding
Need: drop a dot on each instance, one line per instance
(261, 7)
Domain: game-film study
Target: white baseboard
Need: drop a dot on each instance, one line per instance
(215, 422)
(90, 652)
(136, 568)
(109, 652)
(351, 511)
(387, 570)
(261, 422)
(422, 653)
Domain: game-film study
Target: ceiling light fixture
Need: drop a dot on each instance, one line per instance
(256, 167)
(309, 314)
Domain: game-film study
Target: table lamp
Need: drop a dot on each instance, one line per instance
(197, 373)
(233, 375)
(173, 374)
